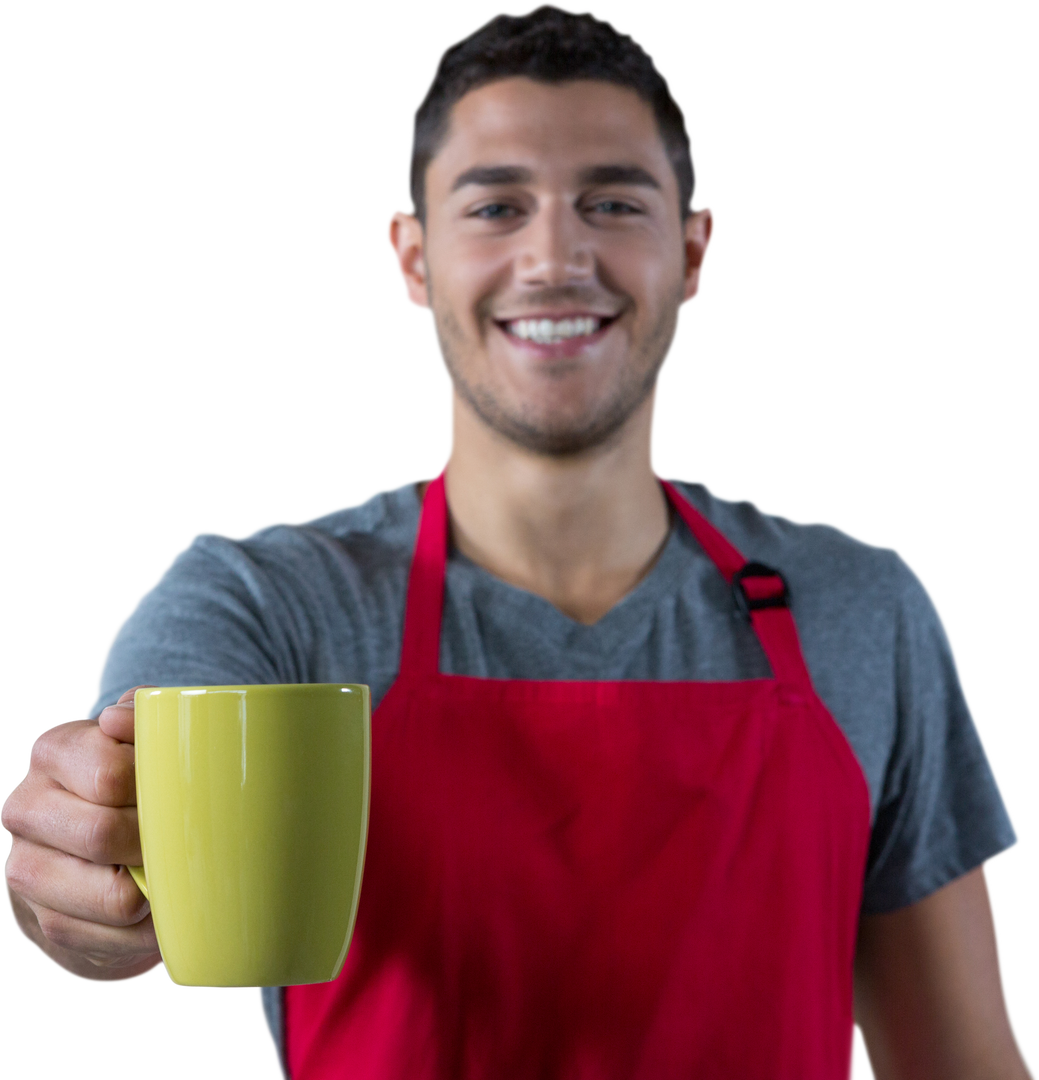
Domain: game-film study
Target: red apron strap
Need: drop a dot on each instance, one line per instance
(420, 653)
(774, 626)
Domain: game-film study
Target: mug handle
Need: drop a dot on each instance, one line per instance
(137, 873)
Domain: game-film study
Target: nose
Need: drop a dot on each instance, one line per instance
(554, 251)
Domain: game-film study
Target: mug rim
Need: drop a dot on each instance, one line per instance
(155, 691)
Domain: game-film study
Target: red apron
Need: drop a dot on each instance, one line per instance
(598, 880)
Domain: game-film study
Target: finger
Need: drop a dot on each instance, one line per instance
(119, 963)
(87, 762)
(117, 720)
(106, 946)
(82, 890)
(49, 815)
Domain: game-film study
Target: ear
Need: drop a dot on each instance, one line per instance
(409, 241)
(697, 230)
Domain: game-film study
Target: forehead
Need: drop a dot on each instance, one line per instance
(518, 121)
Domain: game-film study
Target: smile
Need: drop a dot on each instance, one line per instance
(566, 337)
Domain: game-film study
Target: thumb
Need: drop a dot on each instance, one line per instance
(129, 696)
(117, 720)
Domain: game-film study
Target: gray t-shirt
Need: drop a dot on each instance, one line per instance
(324, 602)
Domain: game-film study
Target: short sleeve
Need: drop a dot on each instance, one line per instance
(940, 813)
(217, 617)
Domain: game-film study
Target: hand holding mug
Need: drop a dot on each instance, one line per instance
(246, 805)
(74, 822)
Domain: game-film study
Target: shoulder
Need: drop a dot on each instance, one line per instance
(349, 567)
(319, 602)
(822, 564)
(377, 535)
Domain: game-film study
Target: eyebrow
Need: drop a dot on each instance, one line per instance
(491, 175)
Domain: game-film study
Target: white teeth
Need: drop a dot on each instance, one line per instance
(549, 331)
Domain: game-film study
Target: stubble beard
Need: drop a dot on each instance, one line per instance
(571, 436)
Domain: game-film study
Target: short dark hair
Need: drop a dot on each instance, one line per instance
(549, 46)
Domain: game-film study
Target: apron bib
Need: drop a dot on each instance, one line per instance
(598, 880)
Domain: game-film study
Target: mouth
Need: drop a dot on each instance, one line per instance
(544, 330)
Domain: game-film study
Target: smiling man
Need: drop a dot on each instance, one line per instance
(657, 779)
(562, 247)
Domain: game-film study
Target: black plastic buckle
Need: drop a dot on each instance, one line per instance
(747, 604)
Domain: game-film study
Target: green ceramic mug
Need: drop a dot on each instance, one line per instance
(253, 808)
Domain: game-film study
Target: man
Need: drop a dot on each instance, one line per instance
(650, 832)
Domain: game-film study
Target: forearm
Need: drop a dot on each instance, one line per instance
(896, 1056)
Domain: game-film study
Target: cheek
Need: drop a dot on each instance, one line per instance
(657, 266)
(647, 269)
(465, 275)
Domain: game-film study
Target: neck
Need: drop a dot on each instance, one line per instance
(580, 531)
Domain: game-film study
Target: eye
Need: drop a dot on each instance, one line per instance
(495, 211)
(615, 202)
(498, 212)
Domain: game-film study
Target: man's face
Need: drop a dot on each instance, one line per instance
(554, 258)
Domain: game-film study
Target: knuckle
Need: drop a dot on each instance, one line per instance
(21, 871)
(59, 745)
(122, 902)
(55, 927)
(12, 815)
(101, 834)
(113, 779)
(46, 749)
